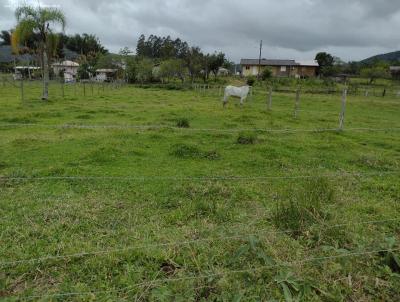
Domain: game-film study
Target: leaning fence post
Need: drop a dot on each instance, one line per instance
(343, 112)
(269, 104)
(297, 103)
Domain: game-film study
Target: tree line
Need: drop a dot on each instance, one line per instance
(330, 66)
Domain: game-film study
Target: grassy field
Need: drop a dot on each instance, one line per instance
(213, 212)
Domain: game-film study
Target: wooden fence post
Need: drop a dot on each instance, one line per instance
(84, 88)
(22, 90)
(269, 105)
(91, 87)
(62, 88)
(297, 103)
(343, 112)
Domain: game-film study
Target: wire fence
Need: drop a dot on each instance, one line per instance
(216, 274)
(92, 89)
(198, 178)
(183, 243)
(165, 127)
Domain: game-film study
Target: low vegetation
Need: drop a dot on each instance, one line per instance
(136, 212)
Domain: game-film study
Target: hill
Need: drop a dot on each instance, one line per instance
(387, 57)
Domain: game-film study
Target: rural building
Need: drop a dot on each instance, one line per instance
(395, 71)
(68, 69)
(279, 68)
(25, 72)
(106, 75)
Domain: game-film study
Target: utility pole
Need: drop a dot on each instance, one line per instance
(259, 60)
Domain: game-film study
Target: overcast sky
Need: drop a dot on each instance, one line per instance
(290, 29)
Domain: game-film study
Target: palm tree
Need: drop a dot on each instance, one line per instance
(37, 21)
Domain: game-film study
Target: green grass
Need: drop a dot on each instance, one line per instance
(229, 239)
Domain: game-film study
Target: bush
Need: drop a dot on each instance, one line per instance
(183, 123)
(251, 80)
(247, 139)
(266, 74)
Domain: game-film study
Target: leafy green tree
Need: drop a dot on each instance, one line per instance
(173, 68)
(194, 62)
(5, 36)
(131, 69)
(324, 59)
(325, 62)
(375, 72)
(217, 60)
(144, 70)
(38, 21)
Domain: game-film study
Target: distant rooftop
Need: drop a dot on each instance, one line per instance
(267, 62)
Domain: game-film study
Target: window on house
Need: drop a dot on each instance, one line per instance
(247, 67)
(283, 68)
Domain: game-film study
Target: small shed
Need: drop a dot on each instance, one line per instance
(22, 72)
(68, 69)
(106, 75)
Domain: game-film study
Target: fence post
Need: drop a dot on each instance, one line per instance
(91, 87)
(84, 88)
(366, 93)
(269, 105)
(343, 112)
(297, 103)
(384, 93)
(22, 90)
(62, 88)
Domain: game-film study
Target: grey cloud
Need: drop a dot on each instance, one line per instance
(289, 28)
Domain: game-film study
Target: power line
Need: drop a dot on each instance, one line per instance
(179, 243)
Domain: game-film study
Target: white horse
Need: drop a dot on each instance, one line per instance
(239, 92)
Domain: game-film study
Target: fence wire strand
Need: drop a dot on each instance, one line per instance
(198, 178)
(181, 243)
(166, 127)
(216, 275)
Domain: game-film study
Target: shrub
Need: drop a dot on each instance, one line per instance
(247, 139)
(266, 74)
(251, 80)
(183, 123)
